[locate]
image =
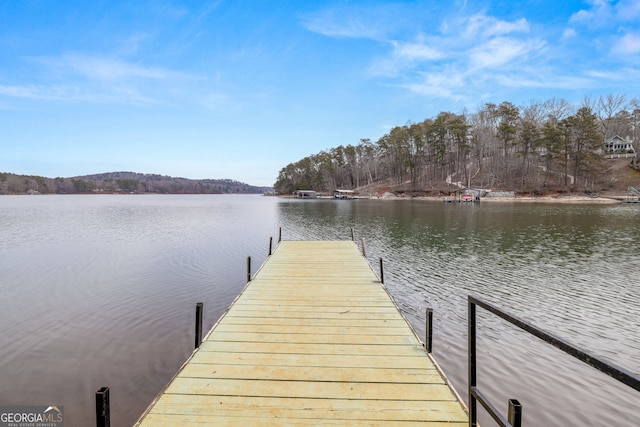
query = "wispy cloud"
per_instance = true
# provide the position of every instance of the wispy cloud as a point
(357, 21)
(417, 51)
(466, 54)
(599, 14)
(628, 44)
(67, 93)
(94, 67)
(98, 79)
(454, 64)
(615, 24)
(489, 26)
(502, 52)
(605, 13)
(406, 56)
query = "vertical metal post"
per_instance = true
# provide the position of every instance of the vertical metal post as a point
(103, 418)
(199, 309)
(515, 413)
(353, 234)
(364, 249)
(428, 339)
(279, 234)
(248, 269)
(381, 272)
(471, 332)
(270, 244)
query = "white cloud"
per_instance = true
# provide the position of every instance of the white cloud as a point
(538, 80)
(628, 44)
(626, 74)
(69, 93)
(600, 14)
(352, 28)
(502, 52)
(464, 57)
(447, 83)
(19, 91)
(353, 22)
(405, 56)
(417, 51)
(607, 13)
(569, 33)
(489, 26)
(99, 79)
(102, 68)
(628, 10)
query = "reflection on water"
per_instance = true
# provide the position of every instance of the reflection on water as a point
(99, 291)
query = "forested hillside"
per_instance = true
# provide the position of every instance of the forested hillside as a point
(538, 147)
(122, 182)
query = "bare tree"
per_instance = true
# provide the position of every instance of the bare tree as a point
(607, 107)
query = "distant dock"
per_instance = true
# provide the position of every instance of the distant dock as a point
(313, 339)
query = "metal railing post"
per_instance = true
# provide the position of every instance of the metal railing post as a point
(198, 337)
(353, 234)
(514, 415)
(364, 249)
(279, 234)
(471, 346)
(270, 244)
(428, 339)
(248, 269)
(381, 272)
(103, 417)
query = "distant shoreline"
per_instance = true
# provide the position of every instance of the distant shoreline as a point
(564, 199)
(524, 199)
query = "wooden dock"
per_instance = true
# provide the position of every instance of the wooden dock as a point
(313, 339)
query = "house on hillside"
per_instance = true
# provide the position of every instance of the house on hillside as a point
(617, 146)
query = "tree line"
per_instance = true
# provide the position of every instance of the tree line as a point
(538, 146)
(122, 182)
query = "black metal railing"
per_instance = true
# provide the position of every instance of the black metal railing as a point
(515, 409)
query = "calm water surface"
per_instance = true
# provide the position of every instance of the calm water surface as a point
(100, 291)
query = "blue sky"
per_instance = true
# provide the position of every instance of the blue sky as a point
(239, 89)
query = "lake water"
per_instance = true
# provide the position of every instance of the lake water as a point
(101, 291)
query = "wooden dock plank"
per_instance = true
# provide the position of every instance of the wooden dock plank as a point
(322, 360)
(310, 409)
(344, 349)
(173, 420)
(311, 373)
(310, 389)
(367, 324)
(312, 329)
(287, 337)
(314, 339)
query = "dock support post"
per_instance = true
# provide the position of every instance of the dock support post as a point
(515, 413)
(248, 269)
(279, 234)
(381, 272)
(198, 339)
(364, 249)
(270, 244)
(428, 339)
(103, 418)
(353, 234)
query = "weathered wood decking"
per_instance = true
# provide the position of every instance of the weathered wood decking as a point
(313, 339)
